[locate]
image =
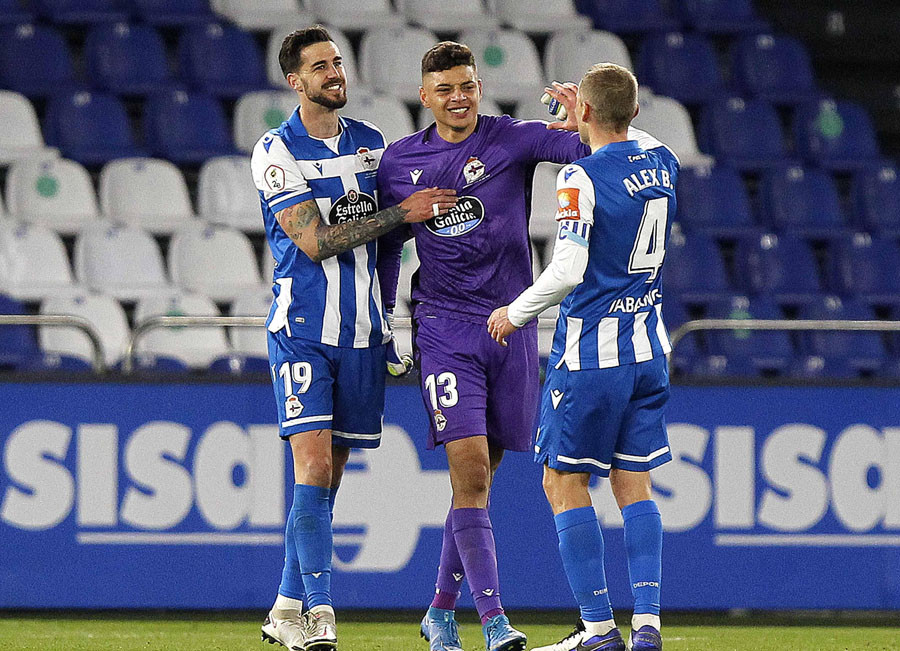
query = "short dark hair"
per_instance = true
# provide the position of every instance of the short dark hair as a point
(446, 55)
(611, 91)
(293, 44)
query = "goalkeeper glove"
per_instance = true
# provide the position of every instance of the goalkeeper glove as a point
(397, 364)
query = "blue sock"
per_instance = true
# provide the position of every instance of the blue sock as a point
(310, 518)
(581, 548)
(291, 579)
(332, 496)
(643, 546)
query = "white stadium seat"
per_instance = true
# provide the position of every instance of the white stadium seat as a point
(485, 107)
(103, 312)
(194, 346)
(33, 262)
(20, 136)
(381, 67)
(251, 341)
(120, 260)
(387, 113)
(147, 192)
(542, 225)
(446, 15)
(273, 68)
(226, 194)
(268, 265)
(569, 54)
(355, 15)
(257, 112)
(538, 16)
(669, 121)
(56, 193)
(213, 260)
(262, 14)
(508, 63)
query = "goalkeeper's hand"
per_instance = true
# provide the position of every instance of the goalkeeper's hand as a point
(397, 364)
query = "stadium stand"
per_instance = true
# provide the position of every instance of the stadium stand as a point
(149, 193)
(775, 68)
(686, 354)
(508, 62)
(171, 13)
(17, 342)
(745, 134)
(720, 366)
(694, 270)
(80, 12)
(21, 134)
(802, 201)
(783, 267)
(213, 260)
(385, 112)
(56, 193)
(220, 59)
(876, 199)
(570, 53)
(720, 16)
(12, 12)
(838, 135)
(447, 15)
(627, 16)
(542, 224)
(866, 268)
(126, 59)
(257, 112)
(682, 66)
(537, 16)
(251, 341)
(380, 68)
(29, 47)
(863, 351)
(104, 314)
(33, 262)
(669, 120)
(225, 197)
(353, 15)
(714, 200)
(262, 14)
(765, 351)
(187, 128)
(91, 128)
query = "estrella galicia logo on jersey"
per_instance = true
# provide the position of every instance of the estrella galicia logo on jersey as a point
(352, 206)
(366, 158)
(462, 218)
(473, 170)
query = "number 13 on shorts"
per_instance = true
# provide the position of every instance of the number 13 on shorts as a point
(443, 393)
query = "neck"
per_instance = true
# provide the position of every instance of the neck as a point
(454, 136)
(319, 121)
(599, 138)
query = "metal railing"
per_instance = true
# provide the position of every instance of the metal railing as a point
(98, 362)
(782, 324)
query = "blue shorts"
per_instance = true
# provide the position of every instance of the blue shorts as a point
(596, 419)
(318, 386)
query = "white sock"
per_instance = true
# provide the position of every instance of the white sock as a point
(286, 608)
(644, 619)
(599, 628)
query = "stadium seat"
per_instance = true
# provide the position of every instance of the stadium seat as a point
(103, 312)
(570, 53)
(80, 12)
(21, 134)
(195, 346)
(803, 201)
(221, 60)
(686, 351)
(126, 59)
(381, 68)
(17, 342)
(774, 68)
(766, 350)
(627, 16)
(251, 340)
(782, 266)
(720, 16)
(146, 192)
(669, 121)
(240, 364)
(55, 192)
(352, 15)
(814, 367)
(837, 135)
(122, 261)
(721, 366)
(262, 14)
(257, 112)
(694, 268)
(876, 199)
(387, 113)
(35, 60)
(542, 222)
(273, 67)
(508, 62)
(745, 134)
(714, 200)
(91, 128)
(12, 12)
(538, 16)
(447, 15)
(213, 260)
(187, 128)
(55, 363)
(682, 66)
(148, 363)
(171, 13)
(864, 351)
(866, 268)
(486, 106)
(33, 262)
(224, 195)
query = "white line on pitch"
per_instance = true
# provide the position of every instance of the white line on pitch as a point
(807, 540)
(164, 538)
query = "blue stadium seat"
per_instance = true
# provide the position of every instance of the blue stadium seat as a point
(81, 12)
(866, 268)
(745, 134)
(782, 266)
(17, 343)
(721, 366)
(713, 200)
(766, 350)
(55, 362)
(150, 363)
(837, 135)
(863, 351)
(126, 59)
(803, 201)
(13, 12)
(221, 60)
(814, 367)
(187, 128)
(35, 60)
(774, 68)
(172, 12)
(239, 365)
(91, 128)
(876, 199)
(694, 269)
(686, 351)
(682, 66)
(720, 16)
(627, 16)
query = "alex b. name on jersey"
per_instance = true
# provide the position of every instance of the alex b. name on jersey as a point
(647, 178)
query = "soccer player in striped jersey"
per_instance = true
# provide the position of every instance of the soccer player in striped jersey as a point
(328, 331)
(602, 409)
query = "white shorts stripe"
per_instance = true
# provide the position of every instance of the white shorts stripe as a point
(661, 333)
(639, 339)
(608, 342)
(637, 459)
(359, 437)
(593, 462)
(305, 419)
(572, 355)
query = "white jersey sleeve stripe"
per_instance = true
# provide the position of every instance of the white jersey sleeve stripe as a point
(661, 333)
(640, 340)
(292, 198)
(608, 342)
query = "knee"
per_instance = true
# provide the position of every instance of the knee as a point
(474, 483)
(550, 483)
(314, 471)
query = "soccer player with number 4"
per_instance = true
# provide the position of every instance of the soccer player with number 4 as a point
(602, 409)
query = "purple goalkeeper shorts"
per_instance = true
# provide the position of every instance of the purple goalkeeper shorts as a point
(472, 386)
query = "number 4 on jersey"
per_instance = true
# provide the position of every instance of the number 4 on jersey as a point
(650, 244)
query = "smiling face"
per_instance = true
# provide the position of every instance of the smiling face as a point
(320, 77)
(453, 96)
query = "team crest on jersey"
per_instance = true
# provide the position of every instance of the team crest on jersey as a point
(274, 177)
(440, 421)
(462, 218)
(366, 158)
(473, 170)
(293, 407)
(567, 198)
(352, 206)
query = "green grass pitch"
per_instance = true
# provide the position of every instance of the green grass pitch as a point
(398, 632)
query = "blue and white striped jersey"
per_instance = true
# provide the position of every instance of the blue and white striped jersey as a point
(620, 202)
(336, 301)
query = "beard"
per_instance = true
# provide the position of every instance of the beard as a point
(328, 101)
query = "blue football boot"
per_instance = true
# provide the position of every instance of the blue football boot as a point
(646, 638)
(440, 630)
(500, 636)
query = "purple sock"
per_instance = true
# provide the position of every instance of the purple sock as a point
(475, 542)
(450, 571)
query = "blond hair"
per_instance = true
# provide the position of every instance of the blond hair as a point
(611, 92)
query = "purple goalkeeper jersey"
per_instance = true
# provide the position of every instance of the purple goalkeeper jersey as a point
(477, 257)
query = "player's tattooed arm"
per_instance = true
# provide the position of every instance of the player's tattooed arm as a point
(303, 224)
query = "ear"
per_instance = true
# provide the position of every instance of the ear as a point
(423, 97)
(637, 109)
(585, 112)
(293, 80)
